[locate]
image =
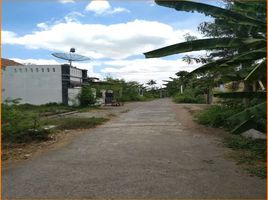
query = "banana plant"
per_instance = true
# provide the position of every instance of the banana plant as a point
(250, 50)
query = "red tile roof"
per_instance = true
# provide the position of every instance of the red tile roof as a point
(6, 62)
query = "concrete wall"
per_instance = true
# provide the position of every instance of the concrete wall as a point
(73, 99)
(34, 84)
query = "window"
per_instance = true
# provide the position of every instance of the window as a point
(20, 70)
(26, 69)
(43, 70)
(36, 69)
(31, 69)
(47, 69)
(4, 68)
(54, 70)
(15, 70)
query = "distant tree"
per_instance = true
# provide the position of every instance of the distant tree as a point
(189, 37)
(151, 83)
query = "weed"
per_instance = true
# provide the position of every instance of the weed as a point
(259, 171)
(249, 153)
(216, 115)
(188, 97)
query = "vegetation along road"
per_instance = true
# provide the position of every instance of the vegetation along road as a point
(149, 151)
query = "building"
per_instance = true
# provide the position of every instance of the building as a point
(41, 84)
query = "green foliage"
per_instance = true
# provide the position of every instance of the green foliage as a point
(240, 95)
(259, 171)
(251, 153)
(240, 142)
(46, 109)
(20, 126)
(234, 16)
(86, 97)
(151, 82)
(23, 123)
(216, 115)
(238, 46)
(188, 97)
(251, 117)
(132, 98)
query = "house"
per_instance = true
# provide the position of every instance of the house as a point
(41, 84)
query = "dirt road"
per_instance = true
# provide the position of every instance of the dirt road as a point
(147, 152)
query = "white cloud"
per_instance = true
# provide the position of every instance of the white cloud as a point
(66, 1)
(73, 17)
(115, 41)
(103, 7)
(42, 25)
(151, 2)
(142, 70)
(8, 37)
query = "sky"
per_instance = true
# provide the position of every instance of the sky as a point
(113, 34)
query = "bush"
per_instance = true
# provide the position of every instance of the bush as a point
(86, 97)
(20, 126)
(29, 135)
(216, 115)
(132, 98)
(188, 97)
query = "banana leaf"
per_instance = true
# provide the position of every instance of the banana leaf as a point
(258, 72)
(244, 126)
(217, 12)
(231, 61)
(205, 44)
(242, 118)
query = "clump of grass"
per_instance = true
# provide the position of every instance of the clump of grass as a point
(46, 109)
(76, 123)
(21, 126)
(257, 147)
(259, 171)
(249, 152)
(216, 115)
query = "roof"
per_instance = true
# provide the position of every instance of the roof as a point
(6, 62)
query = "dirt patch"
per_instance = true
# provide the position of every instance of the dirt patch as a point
(14, 153)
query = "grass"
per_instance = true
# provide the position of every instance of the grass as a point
(88, 109)
(216, 115)
(24, 123)
(249, 153)
(45, 110)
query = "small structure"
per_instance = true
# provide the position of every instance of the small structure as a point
(41, 84)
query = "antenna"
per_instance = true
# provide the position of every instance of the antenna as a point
(72, 56)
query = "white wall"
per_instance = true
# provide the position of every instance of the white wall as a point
(75, 74)
(73, 99)
(32, 86)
